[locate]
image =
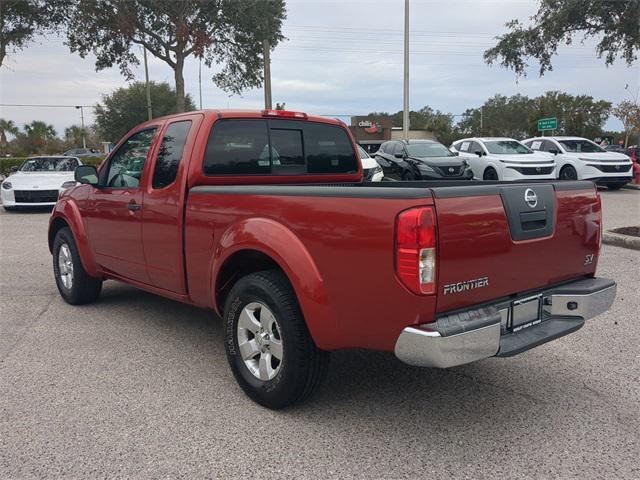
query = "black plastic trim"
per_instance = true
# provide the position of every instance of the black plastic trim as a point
(528, 338)
(467, 320)
(352, 191)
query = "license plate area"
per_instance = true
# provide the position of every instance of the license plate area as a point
(525, 312)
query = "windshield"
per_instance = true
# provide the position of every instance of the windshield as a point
(363, 152)
(506, 147)
(428, 150)
(580, 146)
(49, 164)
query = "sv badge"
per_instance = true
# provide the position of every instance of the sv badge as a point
(588, 259)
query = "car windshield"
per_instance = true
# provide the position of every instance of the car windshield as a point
(49, 164)
(363, 152)
(581, 146)
(428, 150)
(506, 147)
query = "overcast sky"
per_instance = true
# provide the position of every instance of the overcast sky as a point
(341, 58)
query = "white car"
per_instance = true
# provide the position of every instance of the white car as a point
(38, 182)
(581, 159)
(504, 159)
(371, 171)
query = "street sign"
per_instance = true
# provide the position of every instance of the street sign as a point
(547, 124)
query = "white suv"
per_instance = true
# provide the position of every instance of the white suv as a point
(582, 159)
(504, 159)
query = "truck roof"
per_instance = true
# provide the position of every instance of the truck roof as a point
(237, 113)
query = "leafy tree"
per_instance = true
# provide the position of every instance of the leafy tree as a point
(21, 20)
(628, 113)
(613, 22)
(127, 107)
(517, 116)
(225, 32)
(441, 124)
(577, 114)
(7, 127)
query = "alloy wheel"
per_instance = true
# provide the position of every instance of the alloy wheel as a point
(260, 341)
(65, 266)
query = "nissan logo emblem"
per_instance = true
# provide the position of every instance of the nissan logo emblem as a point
(531, 198)
(451, 170)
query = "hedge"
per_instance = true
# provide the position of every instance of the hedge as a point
(7, 163)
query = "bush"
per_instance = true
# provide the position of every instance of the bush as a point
(7, 163)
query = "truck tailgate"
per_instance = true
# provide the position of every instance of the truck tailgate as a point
(499, 240)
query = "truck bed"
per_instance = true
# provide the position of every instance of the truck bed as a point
(350, 245)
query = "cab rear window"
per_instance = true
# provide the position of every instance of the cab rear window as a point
(278, 147)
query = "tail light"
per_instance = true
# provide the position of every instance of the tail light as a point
(416, 250)
(599, 219)
(284, 113)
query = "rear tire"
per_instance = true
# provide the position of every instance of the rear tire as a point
(75, 285)
(263, 321)
(568, 173)
(490, 175)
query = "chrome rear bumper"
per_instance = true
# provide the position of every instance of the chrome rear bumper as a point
(465, 337)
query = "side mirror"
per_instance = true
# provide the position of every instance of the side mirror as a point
(457, 154)
(398, 155)
(554, 151)
(13, 169)
(479, 153)
(86, 174)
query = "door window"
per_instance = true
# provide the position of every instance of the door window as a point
(170, 154)
(125, 167)
(399, 148)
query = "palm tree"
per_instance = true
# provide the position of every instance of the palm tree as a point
(38, 134)
(6, 127)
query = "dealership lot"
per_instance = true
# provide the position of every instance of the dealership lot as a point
(136, 385)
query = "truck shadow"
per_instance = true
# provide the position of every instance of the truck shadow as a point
(373, 390)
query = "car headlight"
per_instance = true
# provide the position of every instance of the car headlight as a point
(69, 184)
(7, 185)
(426, 168)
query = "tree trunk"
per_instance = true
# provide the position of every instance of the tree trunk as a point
(179, 84)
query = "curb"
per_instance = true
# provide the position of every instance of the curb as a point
(632, 186)
(624, 241)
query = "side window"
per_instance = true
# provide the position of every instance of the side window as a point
(170, 153)
(328, 149)
(125, 167)
(398, 148)
(238, 147)
(475, 147)
(547, 146)
(464, 146)
(534, 144)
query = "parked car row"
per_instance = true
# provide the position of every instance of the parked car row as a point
(502, 159)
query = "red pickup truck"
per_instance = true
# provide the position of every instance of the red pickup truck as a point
(263, 217)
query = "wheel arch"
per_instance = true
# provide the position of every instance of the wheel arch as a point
(259, 244)
(66, 214)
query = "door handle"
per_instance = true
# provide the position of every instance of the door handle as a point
(133, 206)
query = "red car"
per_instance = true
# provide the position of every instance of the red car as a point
(262, 216)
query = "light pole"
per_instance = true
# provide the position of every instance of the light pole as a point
(405, 107)
(266, 56)
(84, 142)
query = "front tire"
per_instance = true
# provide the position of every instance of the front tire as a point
(268, 346)
(490, 175)
(568, 173)
(75, 285)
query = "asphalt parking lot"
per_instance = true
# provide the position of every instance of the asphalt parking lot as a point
(138, 386)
